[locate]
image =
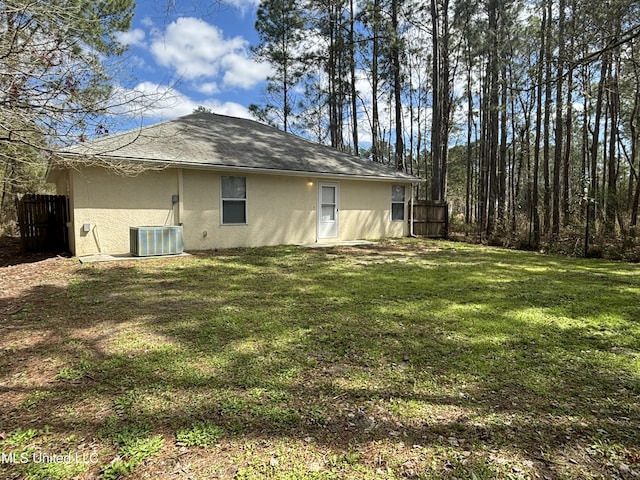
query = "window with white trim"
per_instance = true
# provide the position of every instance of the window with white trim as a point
(397, 202)
(233, 200)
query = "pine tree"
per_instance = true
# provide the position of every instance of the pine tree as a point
(280, 27)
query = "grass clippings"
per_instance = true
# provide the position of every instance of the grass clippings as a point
(407, 359)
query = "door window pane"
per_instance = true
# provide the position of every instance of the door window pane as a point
(328, 213)
(328, 195)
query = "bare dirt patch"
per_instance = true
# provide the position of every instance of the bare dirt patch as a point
(22, 272)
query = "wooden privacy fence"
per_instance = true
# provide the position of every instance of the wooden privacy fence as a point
(431, 219)
(43, 222)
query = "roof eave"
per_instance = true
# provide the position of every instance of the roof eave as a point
(266, 171)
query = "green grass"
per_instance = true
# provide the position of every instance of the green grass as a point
(411, 359)
(201, 434)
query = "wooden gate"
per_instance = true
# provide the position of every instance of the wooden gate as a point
(43, 222)
(431, 219)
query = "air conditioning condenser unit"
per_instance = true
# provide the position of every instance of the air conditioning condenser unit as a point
(149, 241)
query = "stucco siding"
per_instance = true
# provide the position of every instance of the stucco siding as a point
(200, 209)
(62, 183)
(365, 211)
(111, 203)
(280, 210)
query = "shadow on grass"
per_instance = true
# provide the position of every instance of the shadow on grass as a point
(12, 253)
(455, 349)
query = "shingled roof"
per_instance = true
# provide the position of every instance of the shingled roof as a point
(211, 141)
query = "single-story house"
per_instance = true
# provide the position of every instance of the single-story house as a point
(227, 182)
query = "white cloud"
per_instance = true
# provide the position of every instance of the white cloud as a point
(243, 72)
(147, 22)
(208, 88)
(151, 100)
(198, 51)
(132, 37)
(163, 101)
(230, 109)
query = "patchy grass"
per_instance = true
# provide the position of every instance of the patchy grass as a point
(409, 359)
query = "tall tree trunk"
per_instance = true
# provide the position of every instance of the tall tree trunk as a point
(445, 100)
(566, 168)
(493, 132)
(559, 138)
(585, 148)
(352, 68)
(469, 157)
(612, 176)
(535, 212)
(286, 108)
(441, 97)
(397, 85)
(517, 165)
(568, 145)
(546, 155)
(436, 128)
(593, 172)
(375, 121)
(336, 71)
(502, 157)
(332, 74)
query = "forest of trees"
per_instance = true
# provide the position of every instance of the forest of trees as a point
(523, 114)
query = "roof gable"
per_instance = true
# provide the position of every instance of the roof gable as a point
(205, 140)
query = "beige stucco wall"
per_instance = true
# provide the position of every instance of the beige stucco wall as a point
(111, 203)
(365, 211)
(61, 181)
(280, 209)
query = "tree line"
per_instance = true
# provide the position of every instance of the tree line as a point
(523, 114)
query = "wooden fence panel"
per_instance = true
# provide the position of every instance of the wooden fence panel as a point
(431, 219)
(43, 222)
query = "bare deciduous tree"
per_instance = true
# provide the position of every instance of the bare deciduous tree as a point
(57, 63)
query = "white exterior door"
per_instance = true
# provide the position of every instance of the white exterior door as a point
(328, 201)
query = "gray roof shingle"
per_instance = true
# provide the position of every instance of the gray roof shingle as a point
(205, 140)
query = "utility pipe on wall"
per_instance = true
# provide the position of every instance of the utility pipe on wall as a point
(180, 197)
(411, 234)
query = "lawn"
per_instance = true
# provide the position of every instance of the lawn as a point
(408, 359)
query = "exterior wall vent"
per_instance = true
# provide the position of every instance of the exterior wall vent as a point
(149, 241)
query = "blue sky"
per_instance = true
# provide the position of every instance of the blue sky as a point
(193, 53)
